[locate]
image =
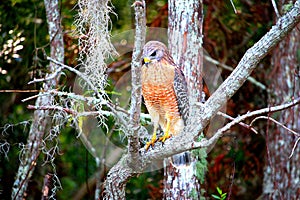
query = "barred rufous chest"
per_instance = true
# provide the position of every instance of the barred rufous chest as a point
(158, 87)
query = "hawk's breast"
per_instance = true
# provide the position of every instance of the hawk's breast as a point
(158, 88)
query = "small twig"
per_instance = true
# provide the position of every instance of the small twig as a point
(219, 133)
(240, 123)
(79, 97)
(276, 122)
(284, 127)
(295, 145)
(275, 8)
(95, 113)
(19, 91)
(30, 98)
(232, 4)
(81, 75)
(71, 111)
(49, 77)
(59, 108)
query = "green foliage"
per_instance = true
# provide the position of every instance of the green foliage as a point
(201, 164)
(287, 7)
(194, 194)
(220, 195)
(145, 186)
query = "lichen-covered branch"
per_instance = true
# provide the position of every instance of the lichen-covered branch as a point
(117, 178)
(129, 164)
(136, 91)
(41, 121)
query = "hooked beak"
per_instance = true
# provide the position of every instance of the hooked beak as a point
(147, 60)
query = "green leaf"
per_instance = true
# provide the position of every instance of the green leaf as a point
(215, 196)
(223, 196)
(219, 190)
(13, 2)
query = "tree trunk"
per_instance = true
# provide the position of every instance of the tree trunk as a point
(180, 181)
(185, 44)
(41, 121)
(282, 173)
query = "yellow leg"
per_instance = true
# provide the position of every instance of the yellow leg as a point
(167, 131)
(153, 139)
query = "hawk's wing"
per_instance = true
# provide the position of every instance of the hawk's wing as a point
(180, 88)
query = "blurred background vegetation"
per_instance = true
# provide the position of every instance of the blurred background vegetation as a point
(238, 158)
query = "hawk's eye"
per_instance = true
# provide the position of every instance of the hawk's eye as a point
(153, 54)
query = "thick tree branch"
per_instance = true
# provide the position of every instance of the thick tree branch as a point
(136, 91)
(128, 165)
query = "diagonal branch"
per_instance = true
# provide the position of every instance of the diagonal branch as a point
(81, 75)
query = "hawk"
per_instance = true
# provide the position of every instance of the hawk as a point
(164, 90)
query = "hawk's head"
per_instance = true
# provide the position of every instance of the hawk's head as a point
(154, 51)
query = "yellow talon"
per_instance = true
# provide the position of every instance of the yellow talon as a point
(151, 142)
(161, 139)
(164, 137)
(167, 134)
